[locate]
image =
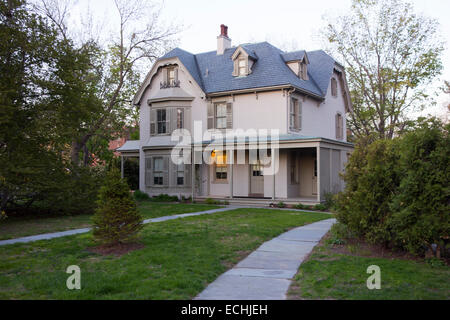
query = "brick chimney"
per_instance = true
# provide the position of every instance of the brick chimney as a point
(223, 42)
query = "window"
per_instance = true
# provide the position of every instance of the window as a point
(303, 71)
(292, 115)
(221, 167)
(293, 169)
(257, 170)
(333, 87)
(180, 118)
(180, 174)
(158, 171)
(221, 116)
(171, 76)
(339, 126)
(242, 67)
(295, 115)
(161, 121)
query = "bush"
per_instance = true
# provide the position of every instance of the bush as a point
(165, 198)
(397, 191)
(330, 202)
(281, 204)
(116, 219)
(141, 196)
(320, 207)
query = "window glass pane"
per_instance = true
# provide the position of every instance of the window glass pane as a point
(171, 75)
(221, 123)
(180, 124)
(158, 164)
(241, 62)
(221, 110)
(221, 171)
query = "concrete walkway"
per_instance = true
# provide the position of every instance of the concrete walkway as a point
(267, 272)
(47, 236)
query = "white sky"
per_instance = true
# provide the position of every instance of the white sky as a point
(288, 23)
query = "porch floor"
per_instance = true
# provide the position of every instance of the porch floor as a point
(261, 202)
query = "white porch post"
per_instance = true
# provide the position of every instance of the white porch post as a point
(192, 175)
(121, 166)
(318, 172)
(272, 153)
(231, 175)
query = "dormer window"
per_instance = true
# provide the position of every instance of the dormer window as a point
(298, 62)
(303, 74)
(242, 67)
(170, 75)
(243, 61)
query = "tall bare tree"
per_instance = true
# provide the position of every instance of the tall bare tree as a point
(391, 55)
(140, 35)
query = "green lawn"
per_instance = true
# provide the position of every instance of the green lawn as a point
(332, 275)
(26, 226)
(179, 259)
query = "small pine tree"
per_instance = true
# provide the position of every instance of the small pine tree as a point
(116, 218)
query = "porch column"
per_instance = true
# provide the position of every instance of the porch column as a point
(272, 153)
(231, 176)
(121, 166)
(192, 174)
(318, 172)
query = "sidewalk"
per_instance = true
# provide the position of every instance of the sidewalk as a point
(47, 236)
(267, 272)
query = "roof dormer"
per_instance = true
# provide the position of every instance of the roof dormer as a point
(243, 60)
(298, 62)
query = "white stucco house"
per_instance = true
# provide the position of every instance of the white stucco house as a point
(248, 89)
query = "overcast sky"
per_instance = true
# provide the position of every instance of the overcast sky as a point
(286, 23)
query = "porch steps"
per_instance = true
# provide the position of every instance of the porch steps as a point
(258, 202)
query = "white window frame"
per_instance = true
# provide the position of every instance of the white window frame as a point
(180, 118)
(158, 173)
(221, 117)
(158, 121)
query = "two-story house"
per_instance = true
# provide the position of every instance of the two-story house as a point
(251, 88)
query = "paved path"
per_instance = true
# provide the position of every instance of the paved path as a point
(267, 272)
(47, 236)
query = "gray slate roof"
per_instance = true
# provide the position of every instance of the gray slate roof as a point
(270, 69)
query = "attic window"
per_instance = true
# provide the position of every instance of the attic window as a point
(333, 87)
(170, 78)
(303, 72)
(242, 67)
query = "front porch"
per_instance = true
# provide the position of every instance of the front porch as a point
(305, 172)
(260, 202)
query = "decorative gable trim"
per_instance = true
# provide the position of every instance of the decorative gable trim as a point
(161, 63)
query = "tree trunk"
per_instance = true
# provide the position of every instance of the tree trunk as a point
(75, 152)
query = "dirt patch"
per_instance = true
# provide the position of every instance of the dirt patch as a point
(360, 248)
(117, 249)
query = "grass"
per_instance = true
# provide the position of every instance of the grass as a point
(178, 261)
(26, 226)
(342, 275)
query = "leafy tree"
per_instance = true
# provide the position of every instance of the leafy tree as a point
(420, 207)
(117, 219)
(391, 55)
(397, 190)
(26, 67)
(46, 84)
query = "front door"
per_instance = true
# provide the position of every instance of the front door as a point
(256, 180)
(314, 178)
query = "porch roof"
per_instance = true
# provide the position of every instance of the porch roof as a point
(281, 138)
(129, 146)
